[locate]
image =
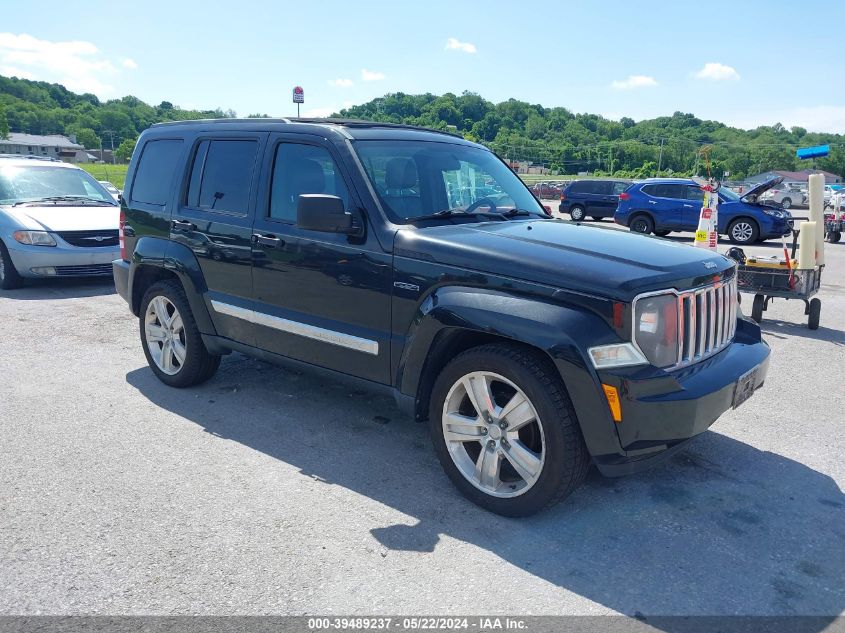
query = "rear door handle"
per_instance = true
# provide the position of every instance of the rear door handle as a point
(267, 240)
(688, 205)
(184, 224)
(652, 202)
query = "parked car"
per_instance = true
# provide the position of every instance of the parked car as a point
(114, 191)
(546, 190)
(55, 220)
(663, 205)
(784, 197)
(532, 346)
(596, 198)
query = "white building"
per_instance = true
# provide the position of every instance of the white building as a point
(53, 146)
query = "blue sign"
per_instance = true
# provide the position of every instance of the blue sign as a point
(813, 152)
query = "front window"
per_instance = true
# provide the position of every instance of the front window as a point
(36, 183)
(421, 178)
(728, 195)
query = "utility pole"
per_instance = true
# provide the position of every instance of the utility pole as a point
(111, 137)
(660, 159)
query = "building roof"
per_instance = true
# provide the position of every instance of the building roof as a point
(792, 176)
(51, 140)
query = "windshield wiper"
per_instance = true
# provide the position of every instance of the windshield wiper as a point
(510, 213)
(452, 213)
(63, 199)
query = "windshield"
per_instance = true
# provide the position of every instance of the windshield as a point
(420, 178)
(32, 183)
(728, 195)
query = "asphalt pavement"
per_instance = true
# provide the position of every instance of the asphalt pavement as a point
(273, 491)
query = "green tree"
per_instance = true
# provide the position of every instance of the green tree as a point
(4, 124)
(123, 152)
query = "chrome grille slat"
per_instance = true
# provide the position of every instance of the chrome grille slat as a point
(706, 321)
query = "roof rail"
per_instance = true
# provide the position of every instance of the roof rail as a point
(31, 157)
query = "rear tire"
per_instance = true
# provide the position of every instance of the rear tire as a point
(9, 277)
(834, 236)
(597, 218)
(786, 203)
(170, 337)
(815, 314)
(757, 308)
(576, 213)
(516, 462)
(641, 223)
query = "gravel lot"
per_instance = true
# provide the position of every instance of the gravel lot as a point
(270, 491)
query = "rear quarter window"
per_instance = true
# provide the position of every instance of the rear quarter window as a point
(157, 166)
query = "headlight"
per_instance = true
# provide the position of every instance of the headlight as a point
(34, 238)
(656, 329)
(619, 355)
(773, 212)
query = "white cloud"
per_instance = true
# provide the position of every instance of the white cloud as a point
(76, 64)
(453, 44)
(341, 83)
(11, 71)
(371, 75)
(715, 71)
(633, 82)
(129, 63)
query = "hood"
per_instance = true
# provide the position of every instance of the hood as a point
(58, 218)
(754, 193)
(584, 258)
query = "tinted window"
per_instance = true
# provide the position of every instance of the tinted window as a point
(694, 193)
(159, 161)
(300, 169)
(579, 186)
(221, 175)
(619, 187)
(666, 191)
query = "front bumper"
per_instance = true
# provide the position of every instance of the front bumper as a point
(661, 412)
(61, 261)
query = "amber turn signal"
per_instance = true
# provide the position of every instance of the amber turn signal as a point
(612, 396)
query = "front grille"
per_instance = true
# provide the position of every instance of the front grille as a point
(706, 321)
(90, 239)
(92, 270)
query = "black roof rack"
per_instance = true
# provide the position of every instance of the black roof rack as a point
(353, 123)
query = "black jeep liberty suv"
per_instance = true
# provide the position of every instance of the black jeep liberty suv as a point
(417, 262)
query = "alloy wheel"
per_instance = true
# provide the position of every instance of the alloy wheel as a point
(742, 231)
(165, 335)
(493, 434)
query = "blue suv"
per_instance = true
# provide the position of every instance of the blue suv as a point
(663, 205)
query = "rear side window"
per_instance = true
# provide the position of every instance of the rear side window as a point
(666, 191)
(221, 175)
(300, 169)
(154, 175)
(619, 187)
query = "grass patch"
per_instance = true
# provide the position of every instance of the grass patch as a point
(115, 174)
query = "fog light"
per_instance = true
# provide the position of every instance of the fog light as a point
(44, 270)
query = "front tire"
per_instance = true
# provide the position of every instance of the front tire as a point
(9, 277)
(815, 314)
(576, 213)
(743, 231)
(505, 431)
(786, 203)
(170, 337)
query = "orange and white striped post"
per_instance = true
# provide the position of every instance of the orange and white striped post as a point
(707, 235)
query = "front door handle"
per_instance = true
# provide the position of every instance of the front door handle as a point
(267, 240)
(184, 224)
(689, 206)
(652, 202)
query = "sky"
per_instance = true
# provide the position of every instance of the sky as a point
(745, 62)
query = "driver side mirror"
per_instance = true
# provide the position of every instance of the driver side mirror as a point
(325, 213)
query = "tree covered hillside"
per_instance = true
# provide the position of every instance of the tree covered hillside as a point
(37, 107)
(569, 143)
(566, 142)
